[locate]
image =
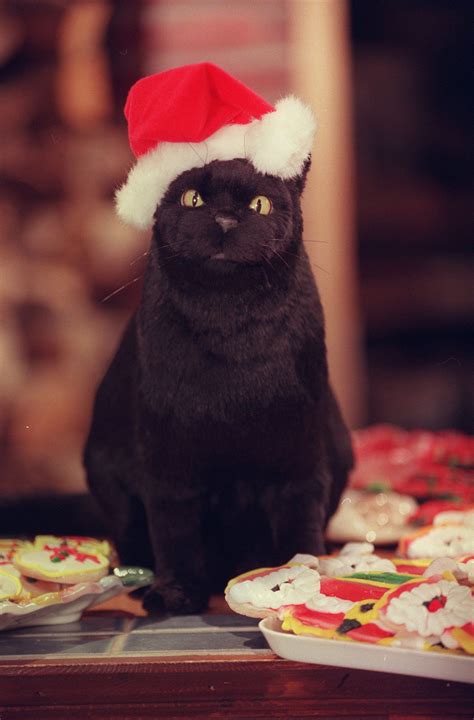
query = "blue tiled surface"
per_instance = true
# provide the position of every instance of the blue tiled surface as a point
(92, 624)
(109, 636)
(150, 624)
(44, 645)
(189, 641)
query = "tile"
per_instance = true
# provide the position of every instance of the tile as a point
(167, 642)
(210, 622)
(86, 625)
(66, 645)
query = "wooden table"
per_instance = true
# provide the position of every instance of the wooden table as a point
(121, 665)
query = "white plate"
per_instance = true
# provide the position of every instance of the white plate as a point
(363, 656)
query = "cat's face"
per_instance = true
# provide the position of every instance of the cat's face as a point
(226, 215)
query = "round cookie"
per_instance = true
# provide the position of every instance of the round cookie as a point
(10, 586)
(435, 609)
(62, 564)
(264, 592)
(438, 541)
(85, 544)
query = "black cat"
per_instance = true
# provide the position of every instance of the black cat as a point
(216, 443)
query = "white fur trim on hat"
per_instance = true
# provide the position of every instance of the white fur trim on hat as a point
(278, 144)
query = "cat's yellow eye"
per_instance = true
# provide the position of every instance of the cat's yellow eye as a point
(191, 199)
(261, 205)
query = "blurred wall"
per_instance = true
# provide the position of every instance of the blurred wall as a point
(70, 271)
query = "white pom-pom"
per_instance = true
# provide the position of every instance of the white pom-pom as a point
(280, 143)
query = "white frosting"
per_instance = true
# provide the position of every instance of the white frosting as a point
(9, 585)
(40, 559)
(443, 541)
(329, 604)
(357, 548)
(350, 564)
(408, 609)
(454, 517)
(463, 570)
(304, 559)
(286, 586)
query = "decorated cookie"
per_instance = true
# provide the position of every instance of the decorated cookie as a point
(8, 548)
(455, 517)
(85, 544)
(381, 517)
(462, 569)
(343, 606)
(438, 541)
(62, 563)
(355, 557)
(438, 610)
(415, 567)
(10, 585)
(264, 592)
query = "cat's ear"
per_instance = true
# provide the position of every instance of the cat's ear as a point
(299, 181)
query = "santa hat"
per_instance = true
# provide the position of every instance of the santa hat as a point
(187, 117)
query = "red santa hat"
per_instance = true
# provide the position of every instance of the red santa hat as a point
(189, 116)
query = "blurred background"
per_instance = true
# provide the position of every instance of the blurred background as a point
(388, 208)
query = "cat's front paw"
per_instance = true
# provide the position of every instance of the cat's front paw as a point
(175, 599)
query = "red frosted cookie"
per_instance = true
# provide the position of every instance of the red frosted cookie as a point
(346, 607)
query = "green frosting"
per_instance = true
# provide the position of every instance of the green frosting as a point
(384, 577)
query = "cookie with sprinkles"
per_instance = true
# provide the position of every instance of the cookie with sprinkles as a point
(63, 563)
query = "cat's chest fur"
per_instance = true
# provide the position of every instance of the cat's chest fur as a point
(197, 370)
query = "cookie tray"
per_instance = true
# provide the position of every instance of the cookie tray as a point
(362, 656)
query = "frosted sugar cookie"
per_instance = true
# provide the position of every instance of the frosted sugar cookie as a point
(63, 563)
(344, 607)
(462, 569)
(8, 548)
(439, 611)
(86, 544)
(265, 591)
(454, 540)
(354, 557)
(10, 586)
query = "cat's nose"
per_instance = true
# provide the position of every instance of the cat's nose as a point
(226, 222)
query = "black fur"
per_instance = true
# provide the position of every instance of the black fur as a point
(216, 443)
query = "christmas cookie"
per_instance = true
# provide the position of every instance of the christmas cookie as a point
(62, 563)
(264, 592)
(85, 544)
(433, 609)
(8, 548)
(461, 569)
(343, 606)
(438, 541)
(355, 557)
(10, 586)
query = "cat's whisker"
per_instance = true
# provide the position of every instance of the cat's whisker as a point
(323, 242)
(319, 267)
(115, 292)
(139, 257)
(281, 258)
